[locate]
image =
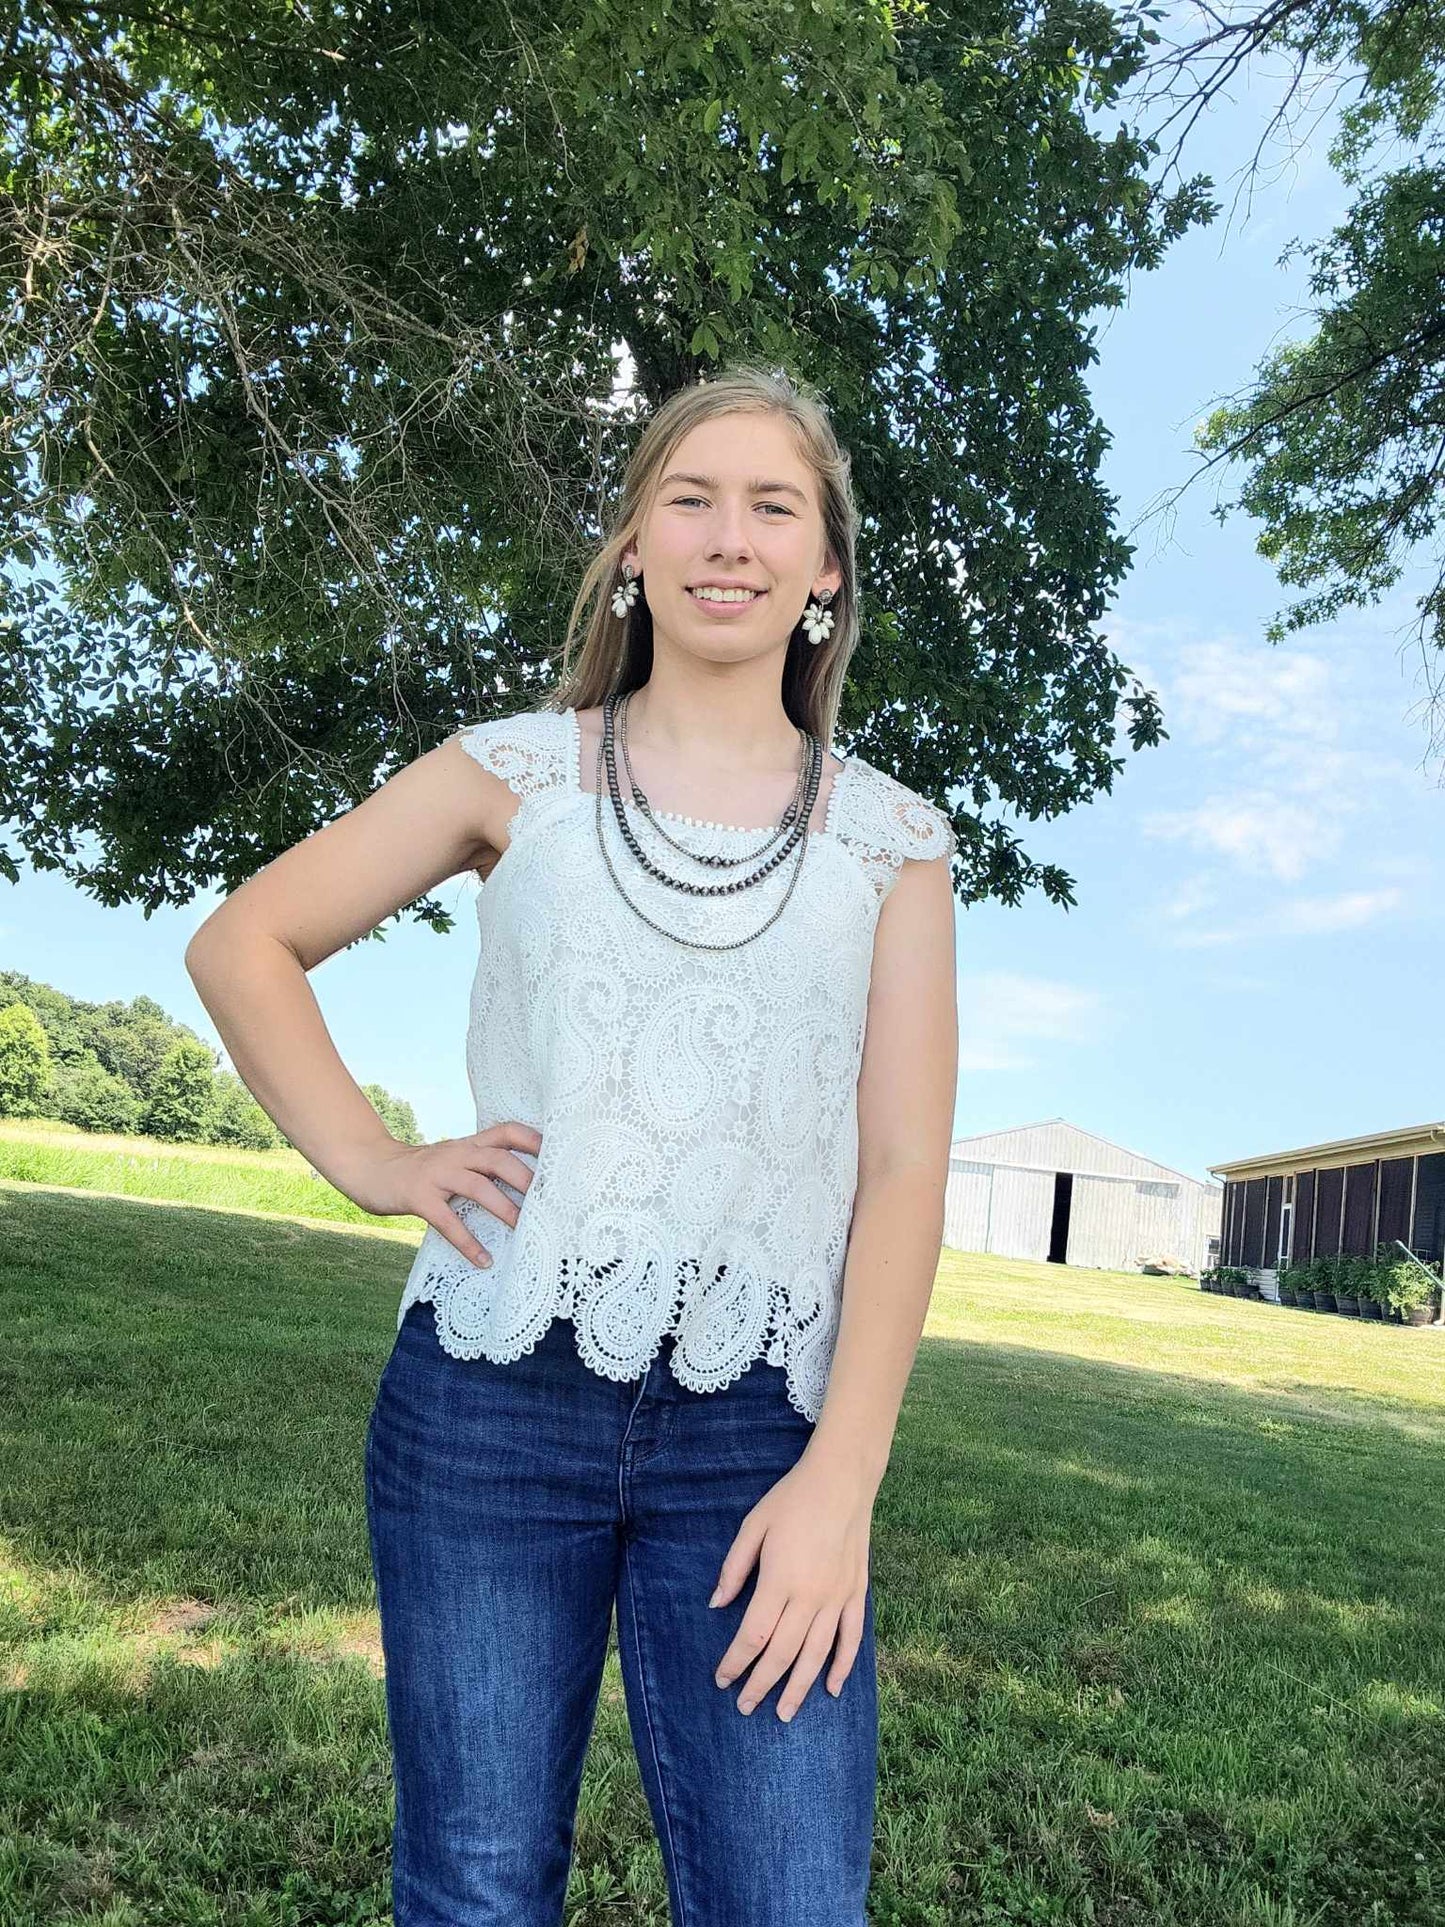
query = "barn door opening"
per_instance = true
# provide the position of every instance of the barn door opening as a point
(1059, 1225)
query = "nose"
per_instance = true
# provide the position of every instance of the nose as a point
(731, 531)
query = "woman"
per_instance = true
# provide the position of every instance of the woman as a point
(654, 1343)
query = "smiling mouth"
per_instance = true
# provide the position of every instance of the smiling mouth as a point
(732, 600)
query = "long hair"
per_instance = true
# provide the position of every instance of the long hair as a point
(615, 655)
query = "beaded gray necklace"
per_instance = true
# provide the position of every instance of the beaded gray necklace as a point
(792, 827)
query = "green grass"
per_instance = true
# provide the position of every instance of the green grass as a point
(280, 1182)
(1158, 1587)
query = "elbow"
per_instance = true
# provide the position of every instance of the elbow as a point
(213, 935)
(920, 1177)
(199, 958)
(224, 936)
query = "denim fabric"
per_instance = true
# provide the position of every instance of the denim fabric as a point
(509, 1507)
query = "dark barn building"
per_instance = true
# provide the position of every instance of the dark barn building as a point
(1332, 1199)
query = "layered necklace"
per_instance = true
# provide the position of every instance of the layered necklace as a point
(792, 828)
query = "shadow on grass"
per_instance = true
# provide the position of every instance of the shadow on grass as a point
(187, 1395)
(1152, 1648)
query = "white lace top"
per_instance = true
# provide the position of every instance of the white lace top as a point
(698, 1109)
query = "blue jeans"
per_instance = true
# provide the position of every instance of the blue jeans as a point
(509, 1506)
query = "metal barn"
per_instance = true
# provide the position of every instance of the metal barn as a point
(1347, 1196)
(1056, 1193)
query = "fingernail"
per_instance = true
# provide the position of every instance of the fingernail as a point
(746, 1706)
(716, 1598)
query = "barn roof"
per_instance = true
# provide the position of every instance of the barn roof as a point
(1054, 1144)
(1410, 1140)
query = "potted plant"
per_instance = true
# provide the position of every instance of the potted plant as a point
(1346, 1283)
(1286, 1285)
(1365, 1273)
(1368, 1287)
(1410, 1290)
(1322, 1281)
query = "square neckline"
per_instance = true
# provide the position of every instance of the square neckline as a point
(574, 779)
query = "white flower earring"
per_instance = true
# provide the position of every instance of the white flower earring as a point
(625, 593)
(818, 618)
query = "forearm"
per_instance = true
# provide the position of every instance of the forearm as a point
(893, 1248)
(261, 1002)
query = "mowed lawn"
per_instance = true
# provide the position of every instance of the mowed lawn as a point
(1159, 1589)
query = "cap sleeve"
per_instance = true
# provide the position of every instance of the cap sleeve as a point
(528, 751)
(885, 824)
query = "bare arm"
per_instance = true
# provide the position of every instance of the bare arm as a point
(906, 1090)
(809, 1534)
(440, 815)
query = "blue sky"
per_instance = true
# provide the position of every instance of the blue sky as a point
(1255, 955)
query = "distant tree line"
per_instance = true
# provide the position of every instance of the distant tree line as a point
(132, 1069)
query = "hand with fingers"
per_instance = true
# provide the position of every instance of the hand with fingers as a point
(418, 1179)
(809, 1535)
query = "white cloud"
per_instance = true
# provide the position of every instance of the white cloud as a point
(1294, 776)
(1285, 694)
(1206, 939)
(999, 1010)
(1193, 896)
(1297, 917)
(1311, 916)
(1263, 831)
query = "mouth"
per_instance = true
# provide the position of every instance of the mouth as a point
(727, 602)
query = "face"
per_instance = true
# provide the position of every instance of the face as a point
(737, 505)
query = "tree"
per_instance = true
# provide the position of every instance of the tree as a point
(127, 1041)
(236, 1118)
(84, 1093)
(60, 1017)
(180, 1105)
(395, 1113)
(130, 1067)
(24, 1062)
(1341, 435)
(312, 357)
(132, 1040)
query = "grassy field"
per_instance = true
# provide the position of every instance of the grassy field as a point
(279, 1183)
(1158, 1586)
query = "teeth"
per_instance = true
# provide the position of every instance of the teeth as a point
(725, 595)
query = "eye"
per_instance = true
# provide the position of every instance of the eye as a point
(681, 501)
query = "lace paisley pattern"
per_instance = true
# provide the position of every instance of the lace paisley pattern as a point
(698, 1109)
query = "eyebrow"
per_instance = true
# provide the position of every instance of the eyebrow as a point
(758, 488)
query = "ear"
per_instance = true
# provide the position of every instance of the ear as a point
(831, 579)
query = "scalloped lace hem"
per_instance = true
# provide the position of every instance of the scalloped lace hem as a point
(780, 1334)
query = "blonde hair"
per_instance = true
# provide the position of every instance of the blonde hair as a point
(616, 652)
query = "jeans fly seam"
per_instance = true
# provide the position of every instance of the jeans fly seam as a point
(624, 1454)
(652, 1735)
